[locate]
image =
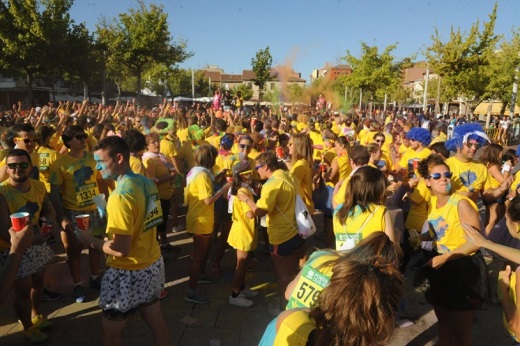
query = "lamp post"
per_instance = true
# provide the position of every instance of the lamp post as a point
(513, 95)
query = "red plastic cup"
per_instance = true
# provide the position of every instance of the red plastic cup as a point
(279, 152)
(45, 229)
(83, 221)
(253, 121)
(415, 164)
(19, 220)
(229, 179)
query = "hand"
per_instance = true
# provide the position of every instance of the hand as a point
(438, 261)
(504, 280)
(67, 225)
(226, 187)
(472, 234)
(20, 241)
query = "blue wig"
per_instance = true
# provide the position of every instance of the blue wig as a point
(420, 135)
(475, 131)
(518, 151)
(227, 141)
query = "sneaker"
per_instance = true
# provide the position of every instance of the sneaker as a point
(196, 297)
(249, 293)
(240, 301)
(216, 272)
(163, 294)
(49, 296)
(206, 279)
(41, 322)
(79, 294)
(35, 336)
(95, 283)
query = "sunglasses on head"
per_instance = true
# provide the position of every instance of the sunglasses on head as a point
(259, 166)
(25, 140)
(244, 146)
(81, 137)
(22, 165)
(472, 145)
(437, 176)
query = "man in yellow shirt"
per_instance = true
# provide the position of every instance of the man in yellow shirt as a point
(419, 140)
(135, 274)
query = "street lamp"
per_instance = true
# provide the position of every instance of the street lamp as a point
(513, 95)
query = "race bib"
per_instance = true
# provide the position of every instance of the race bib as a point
(154, 213)
(85, 194)
(44, 161)
(308, 288)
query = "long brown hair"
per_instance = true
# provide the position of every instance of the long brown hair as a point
(358, 306)
(302, 148)
(366, 186)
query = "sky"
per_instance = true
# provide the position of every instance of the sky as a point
(305, 34)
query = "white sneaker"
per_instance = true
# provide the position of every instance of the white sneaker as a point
(240, 301)
(249, 293)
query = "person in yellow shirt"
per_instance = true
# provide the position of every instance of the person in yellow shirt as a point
(199, 196)
(470, 178)
(278, 202)
(47, 155)
(457, 274)
(135, 268)
(21, 136)
(75, 182)
(22, 194)
(137, 143)
(300, 148)
(363, 211)
(358, 156)
(243, 234)
(419, 140)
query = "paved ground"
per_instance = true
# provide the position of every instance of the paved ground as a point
(216, 323)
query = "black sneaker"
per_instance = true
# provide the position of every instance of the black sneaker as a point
(49, 296)
(95, 283)
(79, 294)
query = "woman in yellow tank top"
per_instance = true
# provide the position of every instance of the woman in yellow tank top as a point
(363, 211)
(457, 274)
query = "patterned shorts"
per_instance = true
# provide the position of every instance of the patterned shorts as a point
(34, 260)
(97, 226)
(124, 291)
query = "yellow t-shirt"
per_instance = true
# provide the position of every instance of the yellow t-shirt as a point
(492, 182)
(155, 168)
(242, 235)
(512, 295)
(313, 279)
(418, 213)
(368, 138)
(339, 197)
(30, 202)
(516, 183)
(344, 167)
(467, 176)
(356, 226)
(134, 209)
(278, 198)
(316, 140)
(409, 156)
(137, 166)
(47, 157)
(77, 181)
(183, 135)
(168, 147)
(185, 154)
(303, 176)
(225, 162)
(445, 227)
(295, 329)
(200, 217)
(329, 155)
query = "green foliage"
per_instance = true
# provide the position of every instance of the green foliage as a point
(138, 40)
(463, 62)
(372, 72)
(246, 92)
(261, 65)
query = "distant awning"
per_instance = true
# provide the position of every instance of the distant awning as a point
(482, 108)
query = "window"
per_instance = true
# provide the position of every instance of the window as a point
(273, 86)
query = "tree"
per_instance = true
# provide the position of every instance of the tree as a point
(246, 91)
(261, 65)
(463, 61)
(372, 72)
(32, 38)
(139, 40)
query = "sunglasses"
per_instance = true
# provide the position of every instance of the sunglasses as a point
(259, 166)
(25, 140)
(472, 145)
(244, 146)
(437, 176)
(22, 165)
(80, 137)
(379, 141)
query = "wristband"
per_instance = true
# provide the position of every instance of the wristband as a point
(506, 168)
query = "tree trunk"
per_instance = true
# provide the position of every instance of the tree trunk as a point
(139, 84)
(488, 117)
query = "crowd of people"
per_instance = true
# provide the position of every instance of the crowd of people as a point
(238, 171)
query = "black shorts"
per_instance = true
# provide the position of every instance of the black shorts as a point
(287, 248)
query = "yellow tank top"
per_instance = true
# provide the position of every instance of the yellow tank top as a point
(358, 225)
